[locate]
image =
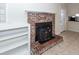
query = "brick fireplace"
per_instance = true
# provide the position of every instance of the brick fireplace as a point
(42, 18)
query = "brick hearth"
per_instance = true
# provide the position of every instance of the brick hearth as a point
(40, 48)
(39, 17)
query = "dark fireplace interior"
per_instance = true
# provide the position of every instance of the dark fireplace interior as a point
(43, 32)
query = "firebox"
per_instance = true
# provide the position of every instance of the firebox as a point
(43, 32)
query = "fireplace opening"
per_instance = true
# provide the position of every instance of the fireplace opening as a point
(43, 32)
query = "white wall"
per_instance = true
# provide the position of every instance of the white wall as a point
(72, 9)
(16, 11)
(58, 26)
(16, 16)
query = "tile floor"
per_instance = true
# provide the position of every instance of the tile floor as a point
(69, 45)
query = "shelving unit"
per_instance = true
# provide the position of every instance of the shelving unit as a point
(15, 41)
(22, 50)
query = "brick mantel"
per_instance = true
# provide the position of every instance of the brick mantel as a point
(38, 17)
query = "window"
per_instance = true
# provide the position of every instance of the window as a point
(2, 12)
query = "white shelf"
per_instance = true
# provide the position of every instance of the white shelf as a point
(12, 36)
(22, 50)
(13, 31)
(14, 40)
(5, 26)
(11, 44)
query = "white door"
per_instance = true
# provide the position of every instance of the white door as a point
(62, 21)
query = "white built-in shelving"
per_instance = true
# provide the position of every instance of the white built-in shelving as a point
(15, 41)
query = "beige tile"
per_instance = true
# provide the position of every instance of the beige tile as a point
(70, 45)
